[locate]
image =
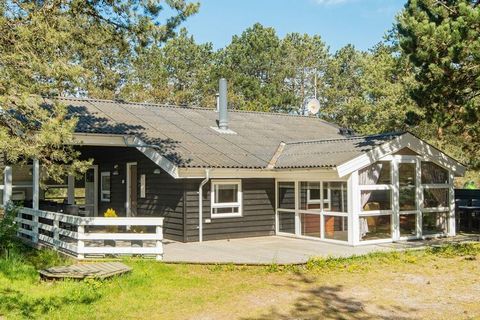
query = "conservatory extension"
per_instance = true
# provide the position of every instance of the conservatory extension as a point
(402, 196)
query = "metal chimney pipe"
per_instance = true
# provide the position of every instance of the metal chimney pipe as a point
(222, 105)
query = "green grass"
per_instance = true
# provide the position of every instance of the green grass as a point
(163, 291)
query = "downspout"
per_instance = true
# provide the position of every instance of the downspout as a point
(200, 205)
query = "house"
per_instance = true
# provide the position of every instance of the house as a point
(230, 174)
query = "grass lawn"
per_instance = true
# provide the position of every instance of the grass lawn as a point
(441, 283)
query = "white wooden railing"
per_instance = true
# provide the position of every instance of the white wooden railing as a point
(84, 236)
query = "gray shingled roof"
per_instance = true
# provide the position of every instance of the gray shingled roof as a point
(185, 136)
(328, 152)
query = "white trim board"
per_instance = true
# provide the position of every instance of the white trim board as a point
(115, 140)
(406, 140)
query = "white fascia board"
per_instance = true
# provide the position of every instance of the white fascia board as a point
(227, 173)
(156, 157)
(93, 139)
(407, 140)
(115, 140)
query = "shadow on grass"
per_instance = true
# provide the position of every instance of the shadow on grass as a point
(17, 302)
(330, 302)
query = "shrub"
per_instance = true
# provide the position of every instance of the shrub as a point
(8, 229)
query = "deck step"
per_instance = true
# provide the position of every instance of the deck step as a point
(99, 270)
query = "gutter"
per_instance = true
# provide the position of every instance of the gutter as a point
(200, 205)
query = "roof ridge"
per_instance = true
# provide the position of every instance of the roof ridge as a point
(387, 134)
(166, 105)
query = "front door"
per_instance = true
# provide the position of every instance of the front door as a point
(408, 214)
(90, 182)
(132, 192)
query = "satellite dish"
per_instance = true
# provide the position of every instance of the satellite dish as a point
(313, 106)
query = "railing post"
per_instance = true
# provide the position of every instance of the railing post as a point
(80, 242)
(56, 233)
(159, 244)
(7, 188)
(35, 228)
(36, 184)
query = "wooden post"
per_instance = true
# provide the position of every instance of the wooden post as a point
(71, 189)
(35, 226)
(395, 219)
(36, 184)
(56, 234)
(159, 244)
(7, 188)
(354, 207)
(80, 242)
(451, 228)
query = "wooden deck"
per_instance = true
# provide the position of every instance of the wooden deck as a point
(101, 270)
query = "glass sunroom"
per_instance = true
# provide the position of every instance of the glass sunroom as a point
(400, 196)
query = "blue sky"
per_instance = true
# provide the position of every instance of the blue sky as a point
(339, 22)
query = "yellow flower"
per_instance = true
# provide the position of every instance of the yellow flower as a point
(110, 213)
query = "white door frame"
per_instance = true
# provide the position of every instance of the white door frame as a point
(127, 203)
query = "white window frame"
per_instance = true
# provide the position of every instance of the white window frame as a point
(309, 199)
(321, 213)
(102, 191)
(237, 204)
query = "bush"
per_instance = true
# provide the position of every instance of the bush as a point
(8, 229)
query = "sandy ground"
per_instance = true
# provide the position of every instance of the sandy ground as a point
(440, 288)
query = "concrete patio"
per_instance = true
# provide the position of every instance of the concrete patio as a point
(280, 250)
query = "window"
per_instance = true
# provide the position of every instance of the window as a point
(226, 198)
(310, 196)
(143, 183)
(335, 197)
(310, 225)
(378, 173)
(105, 186)
(375, 227)
(434, 222)
(435, 197)
(433, 174)
(408, 225)
(406, 176)
(286, 222)
(336, 227)
(286, 195)
(376, 200)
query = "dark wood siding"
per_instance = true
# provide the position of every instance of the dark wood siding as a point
(258, 217)
(163, 194)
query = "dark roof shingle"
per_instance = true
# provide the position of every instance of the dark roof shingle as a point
(185, 135)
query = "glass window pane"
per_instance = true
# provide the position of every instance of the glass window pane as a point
(433, 174)
(434, 222)
(375, 227)
(225, 210)
(286, 222)
(377, 173)
(407, 180)
(336, 228)
(337, 199)
(286, 195)
(310, 225)
(310, 196)
(226, 193)
(435, 198)
(408, 223)
(407, 198)
(56, 194)
(376, 200)
(106, 182)
(406, 152)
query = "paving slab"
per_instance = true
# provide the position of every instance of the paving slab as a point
(276, 249)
